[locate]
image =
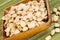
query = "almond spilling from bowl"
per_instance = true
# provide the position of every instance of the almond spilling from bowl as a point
(26, 16)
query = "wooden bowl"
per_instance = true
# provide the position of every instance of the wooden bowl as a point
(30, 32)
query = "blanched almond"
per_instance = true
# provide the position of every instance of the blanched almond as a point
(48, 37)
(31, 25)
(25, 29)
(57, 30)
(16, 31)
(22, 23)
(55, 10)
(55, 18)
(53, 32)
(57, 24)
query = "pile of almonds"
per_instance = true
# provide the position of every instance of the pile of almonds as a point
(23, 17)
(55, 20)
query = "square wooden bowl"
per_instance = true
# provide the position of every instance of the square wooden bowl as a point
(30, 32)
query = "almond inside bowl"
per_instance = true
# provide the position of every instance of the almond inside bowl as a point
(31, 31)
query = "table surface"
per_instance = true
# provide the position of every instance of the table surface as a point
(40, 36)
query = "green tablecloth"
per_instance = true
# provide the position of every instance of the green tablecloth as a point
(40, 36)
